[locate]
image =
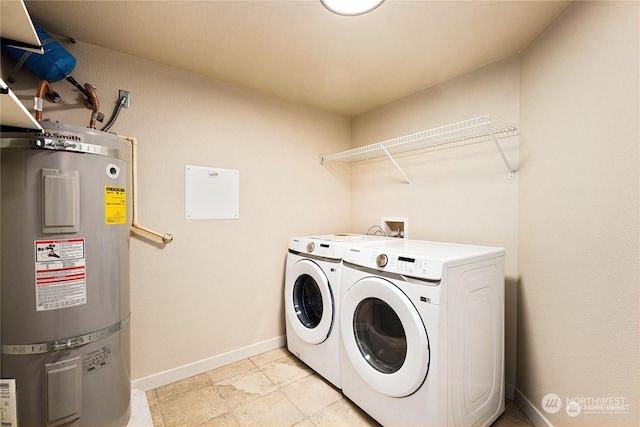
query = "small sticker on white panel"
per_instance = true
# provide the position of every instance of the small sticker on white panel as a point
(211, 193)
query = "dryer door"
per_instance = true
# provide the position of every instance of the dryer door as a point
(384, 337)
(309, 301)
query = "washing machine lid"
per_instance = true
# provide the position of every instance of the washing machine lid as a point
(417, 258)
(309, 304)
(384, 337)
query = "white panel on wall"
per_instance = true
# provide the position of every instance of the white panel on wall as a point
(211, 193)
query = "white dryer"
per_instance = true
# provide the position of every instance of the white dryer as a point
(422, 329)
(311, 299)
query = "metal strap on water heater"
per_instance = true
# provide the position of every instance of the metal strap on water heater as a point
(65, 145)
(65, 344)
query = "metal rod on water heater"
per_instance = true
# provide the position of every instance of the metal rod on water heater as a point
(164, 237)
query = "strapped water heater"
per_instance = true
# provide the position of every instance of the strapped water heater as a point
(66, 211)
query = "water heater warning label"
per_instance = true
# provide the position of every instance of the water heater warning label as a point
(61, 277)
(115, 205)
(8, 406)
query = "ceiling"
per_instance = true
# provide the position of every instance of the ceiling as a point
(299, 51)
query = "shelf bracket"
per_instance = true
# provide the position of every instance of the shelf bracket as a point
(406, 178)
(512, 172)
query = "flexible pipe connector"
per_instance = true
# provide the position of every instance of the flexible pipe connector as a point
(114, 116)
(93, 98)
(135, 226)
(43, 86)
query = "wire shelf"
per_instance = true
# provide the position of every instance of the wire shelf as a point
(478, 129)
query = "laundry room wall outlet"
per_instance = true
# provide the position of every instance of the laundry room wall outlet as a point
(395, 226)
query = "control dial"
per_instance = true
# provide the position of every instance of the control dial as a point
(381, 260)
(311, 246)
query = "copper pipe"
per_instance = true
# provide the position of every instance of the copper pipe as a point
(91, 93)
(43, 86)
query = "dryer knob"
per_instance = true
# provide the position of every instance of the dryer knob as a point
(381, 260)
(311, 246)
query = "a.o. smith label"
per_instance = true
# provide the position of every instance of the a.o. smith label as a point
(60, 135)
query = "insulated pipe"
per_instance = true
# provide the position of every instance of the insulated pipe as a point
(166, 237)
(43, 86)
(91, 93)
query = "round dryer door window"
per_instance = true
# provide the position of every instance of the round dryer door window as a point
(379, 335)
(384, 337)
(309, 302)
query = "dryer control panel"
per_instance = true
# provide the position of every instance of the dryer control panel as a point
(316, 247)
(408, 265)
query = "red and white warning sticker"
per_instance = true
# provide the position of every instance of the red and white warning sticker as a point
(61, 277)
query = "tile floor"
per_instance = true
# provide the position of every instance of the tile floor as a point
(270, 389)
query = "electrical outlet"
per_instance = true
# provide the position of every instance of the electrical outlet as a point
(127, 94)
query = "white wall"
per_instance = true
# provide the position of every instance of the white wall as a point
(578, 214)
(462, 194)
(218, 287)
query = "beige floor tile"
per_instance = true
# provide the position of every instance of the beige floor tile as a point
(151, 397)
(244, 388)
(286, 370)
(156, 416)
(231, 370)
(512, 417)
(274, 409)
(179, 387)
(270, 356)
(342, 413)
(272, 389)
(509, 419)
(192, 408)
(311, 394)
(226, 420)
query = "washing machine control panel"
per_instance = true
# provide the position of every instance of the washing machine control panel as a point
(316, 247)
(414, 266)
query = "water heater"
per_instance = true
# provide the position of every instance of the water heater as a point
(65, 275)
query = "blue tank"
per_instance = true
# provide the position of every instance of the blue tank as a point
(53, 65)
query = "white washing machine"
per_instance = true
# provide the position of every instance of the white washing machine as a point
(311, 299)
(422, 326)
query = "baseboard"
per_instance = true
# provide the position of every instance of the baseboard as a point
(201, 366)
(530, 410)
